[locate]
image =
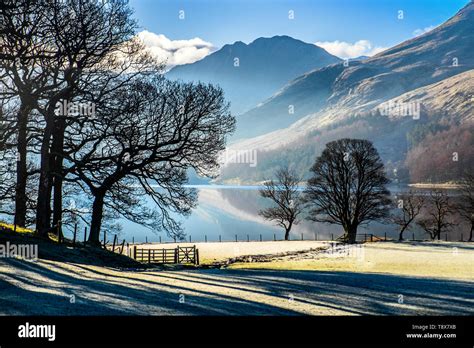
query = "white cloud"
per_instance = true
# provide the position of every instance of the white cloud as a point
(175, 52)
(344, 49)
(419, 32)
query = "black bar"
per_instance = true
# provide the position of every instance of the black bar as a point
(284, 330)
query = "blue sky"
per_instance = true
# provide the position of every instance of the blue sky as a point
(217, 22)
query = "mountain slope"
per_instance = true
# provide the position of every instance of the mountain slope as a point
(332, 91)
(434, 70)
(264, 65)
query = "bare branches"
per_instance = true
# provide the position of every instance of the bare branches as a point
(465, 207)
(286, 195)
(409, 207)
(348, 186)
(439, 209)
(145, 135)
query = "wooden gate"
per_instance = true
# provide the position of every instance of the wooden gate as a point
(183, 255)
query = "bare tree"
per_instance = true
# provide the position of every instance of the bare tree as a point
(466, 204)
(348, 186)
(286, 196)
(141, 143)
(21, 54)
(439, 209)
(408, 206)
(51, 51)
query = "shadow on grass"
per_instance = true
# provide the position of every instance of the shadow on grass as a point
(109, 297)
(322, 292)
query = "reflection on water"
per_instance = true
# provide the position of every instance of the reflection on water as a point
(230, 211)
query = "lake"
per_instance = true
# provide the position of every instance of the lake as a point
(227, 212)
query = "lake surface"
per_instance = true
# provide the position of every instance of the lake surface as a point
(230, 212)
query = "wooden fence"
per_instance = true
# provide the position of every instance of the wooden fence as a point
(364, 237)
(182, 255)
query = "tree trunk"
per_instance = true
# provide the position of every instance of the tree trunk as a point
(43, 210)
(57, 170)
(287, 230)
(351, 234)
(21, 169)
(400, 237)
(97, 213)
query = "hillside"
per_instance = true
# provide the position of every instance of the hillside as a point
(264, 66)
(433, 70)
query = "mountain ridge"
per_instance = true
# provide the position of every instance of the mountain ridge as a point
(263, 66)
(430, 64)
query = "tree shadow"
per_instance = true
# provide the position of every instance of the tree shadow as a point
(109, 297)
(120, 293)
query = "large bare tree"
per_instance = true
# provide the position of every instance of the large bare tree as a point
(286, 196)
(51, 52)
(24, 73)
(348, 186)
(141, 143)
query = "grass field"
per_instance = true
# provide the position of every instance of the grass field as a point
(385, 279)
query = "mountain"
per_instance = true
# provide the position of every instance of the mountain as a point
(433, 70)
(251, 73)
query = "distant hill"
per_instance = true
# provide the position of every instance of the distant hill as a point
(264, 66)
(433, 70)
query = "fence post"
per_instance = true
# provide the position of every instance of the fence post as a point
(146, 239)
(365, 237)
(105, 238)
(160, 239)
(85, 235)
(446, 237)
(236, 238)
(260, 237)
(371, 237)
(196, 256)
(176, 252)
(385, 236)
(274, 237)
(220, 239)
(189, 238)
(413, 236)
(205, 238)
(149, 255)
(135, 252)
(174, 239)
(133, 240)
(113, 244)
(248, 238)
(332, 236)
